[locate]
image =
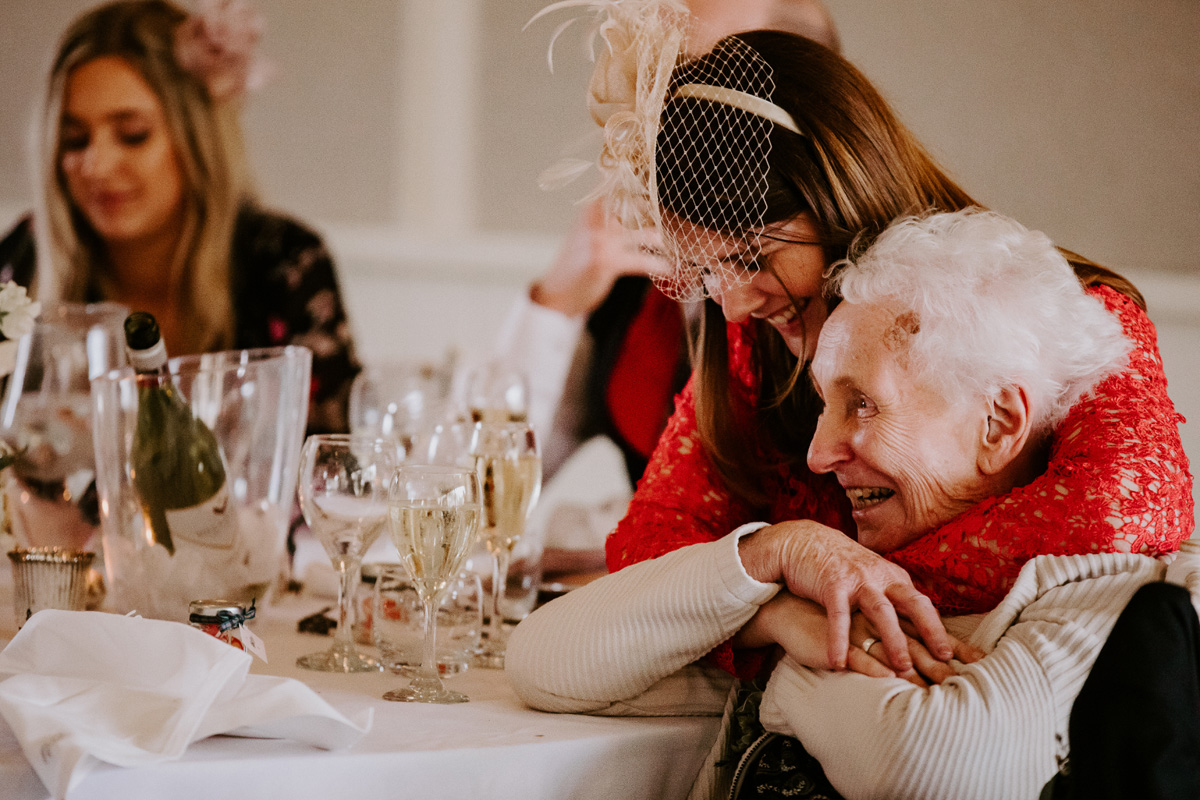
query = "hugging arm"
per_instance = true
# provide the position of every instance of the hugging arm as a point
(997, 729)
(599, 647)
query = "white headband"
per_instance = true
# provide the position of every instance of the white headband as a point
(749, 103)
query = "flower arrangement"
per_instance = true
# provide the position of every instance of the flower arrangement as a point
(216, 44)
(17, 315)
(640, 42)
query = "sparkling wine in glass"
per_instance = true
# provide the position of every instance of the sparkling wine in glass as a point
(433, 513)
(343, 495)
(509, 466)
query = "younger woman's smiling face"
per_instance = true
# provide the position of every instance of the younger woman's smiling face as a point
(906, 455)
(779, 280)
(116, 153)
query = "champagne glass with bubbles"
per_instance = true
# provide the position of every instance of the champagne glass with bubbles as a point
(343, 495)
(509, 465)
(433, 513)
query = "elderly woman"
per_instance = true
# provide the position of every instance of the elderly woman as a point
(961, 341)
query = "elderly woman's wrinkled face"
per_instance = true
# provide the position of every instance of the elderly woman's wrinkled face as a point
(906, 455)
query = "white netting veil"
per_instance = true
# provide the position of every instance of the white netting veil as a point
(710, 176)
(686, 140)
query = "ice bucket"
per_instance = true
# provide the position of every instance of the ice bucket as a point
(256, 403)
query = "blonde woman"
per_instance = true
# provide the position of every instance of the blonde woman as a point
(145, 198)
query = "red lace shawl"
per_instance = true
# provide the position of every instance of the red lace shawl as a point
(1117, 480)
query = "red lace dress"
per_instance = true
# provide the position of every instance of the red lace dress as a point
(1117, 480)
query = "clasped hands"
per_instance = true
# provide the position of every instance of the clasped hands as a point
(838, 596)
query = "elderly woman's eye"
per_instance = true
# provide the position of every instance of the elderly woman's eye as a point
(862, 406)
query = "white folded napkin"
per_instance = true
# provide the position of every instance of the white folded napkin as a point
(79, 687)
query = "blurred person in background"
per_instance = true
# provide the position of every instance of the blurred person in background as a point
(144, 197)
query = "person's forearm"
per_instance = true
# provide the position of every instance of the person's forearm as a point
(996, 729)
(616, 637)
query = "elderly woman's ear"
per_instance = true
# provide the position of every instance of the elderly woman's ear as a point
(1005, 446)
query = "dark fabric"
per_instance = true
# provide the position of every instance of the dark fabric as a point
(610, 327)
(769, 766)
(1135, 727)
(779, 767)
(285, 291)
(17, 257)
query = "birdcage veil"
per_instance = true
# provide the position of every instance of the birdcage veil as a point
(686, 138)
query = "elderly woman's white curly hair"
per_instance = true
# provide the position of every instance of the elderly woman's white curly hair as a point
(992, 304)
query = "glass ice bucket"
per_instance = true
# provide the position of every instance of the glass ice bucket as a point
(256, 404)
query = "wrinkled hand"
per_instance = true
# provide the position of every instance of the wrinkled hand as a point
(800, 627)
(595, 253)
(824, 565)
(925, 669)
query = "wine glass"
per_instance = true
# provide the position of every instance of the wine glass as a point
(343, 495)
(449, 444)
(509, 465)
(399, 400)
(496, 392)
(434, 515)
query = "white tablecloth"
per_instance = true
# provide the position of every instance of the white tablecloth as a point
(492, 747)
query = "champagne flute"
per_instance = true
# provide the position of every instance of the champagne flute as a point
(343, 495)
(510, 474)
(434, 515)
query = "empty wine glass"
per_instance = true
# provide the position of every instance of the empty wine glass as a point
(433, 513)
(509, 465)
(400, 400)
(343, 495)
(449, 444)
(496, 392)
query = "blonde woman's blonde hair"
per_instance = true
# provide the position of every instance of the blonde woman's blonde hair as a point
(208, 143)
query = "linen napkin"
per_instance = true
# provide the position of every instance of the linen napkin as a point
(80, 687)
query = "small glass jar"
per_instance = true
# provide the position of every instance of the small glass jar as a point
(364, 601)
(221, 618)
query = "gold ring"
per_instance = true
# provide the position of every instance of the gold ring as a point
(868, 643)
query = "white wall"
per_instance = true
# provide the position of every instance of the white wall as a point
(412, 132)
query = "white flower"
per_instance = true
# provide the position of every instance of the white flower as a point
(17, 311)
(613, 87)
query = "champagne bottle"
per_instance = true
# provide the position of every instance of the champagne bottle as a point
(178, 470)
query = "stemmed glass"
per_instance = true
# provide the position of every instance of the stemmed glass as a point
(343, 495)
(434, 516)
(495, 392)
(399, 400)
(509, 465)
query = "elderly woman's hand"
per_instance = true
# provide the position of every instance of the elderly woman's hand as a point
(800, 628)
(823, 564)
(925, 670)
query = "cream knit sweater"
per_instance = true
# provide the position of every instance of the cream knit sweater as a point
(627, 644)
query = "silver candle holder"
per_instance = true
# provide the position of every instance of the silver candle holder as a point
(48, 577)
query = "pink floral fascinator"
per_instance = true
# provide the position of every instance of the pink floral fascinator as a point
(216, 44)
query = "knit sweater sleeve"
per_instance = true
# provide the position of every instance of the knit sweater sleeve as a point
(619, 637)
(999, 727)
(1117, 481)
